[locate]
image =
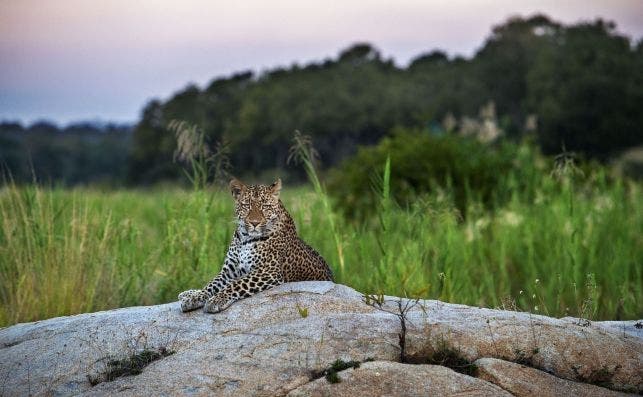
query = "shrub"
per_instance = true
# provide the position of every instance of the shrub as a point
(459, 167)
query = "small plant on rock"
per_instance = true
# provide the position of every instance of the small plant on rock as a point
(403, 308)
(128, 366)
(447, 356)
(339, 365)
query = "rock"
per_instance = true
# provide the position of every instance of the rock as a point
(386, 378)
(264, 346)
(558, 346)
(521, 380)
(632, 327)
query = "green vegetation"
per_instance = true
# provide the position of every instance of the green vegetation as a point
(563, 246)
(447, 356)
(448, 196)
(469, 171)
(129, 366)
(331, 374)
(78, 154)
(576, 86)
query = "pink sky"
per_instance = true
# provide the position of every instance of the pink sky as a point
(67, 60)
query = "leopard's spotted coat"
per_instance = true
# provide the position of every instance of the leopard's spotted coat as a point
(265, 251)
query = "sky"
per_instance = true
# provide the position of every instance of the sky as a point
(72, 60)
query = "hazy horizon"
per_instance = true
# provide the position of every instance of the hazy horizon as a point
(73, 61)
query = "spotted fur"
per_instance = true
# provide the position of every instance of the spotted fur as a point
(265, 251)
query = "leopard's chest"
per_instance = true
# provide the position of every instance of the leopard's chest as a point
(250, 256)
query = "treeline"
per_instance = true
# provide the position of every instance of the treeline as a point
(576, 87)
(81, 153)
(579, 86)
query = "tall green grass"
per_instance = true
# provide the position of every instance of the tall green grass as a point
(568, 251)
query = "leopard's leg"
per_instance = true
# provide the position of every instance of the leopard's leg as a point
(243, 287)
(196, 298)
(192, 299)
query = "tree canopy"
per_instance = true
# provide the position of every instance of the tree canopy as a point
(580, 86)
(583, 82)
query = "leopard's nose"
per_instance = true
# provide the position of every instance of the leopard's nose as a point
(254, 223)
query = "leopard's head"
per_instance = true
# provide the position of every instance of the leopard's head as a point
(257, 207)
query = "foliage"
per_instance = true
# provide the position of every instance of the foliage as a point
(587, 91)
(331, 374)
(576, 86)
(572, 247)
(422, 162)
(302, 151)
(128, 366)
(447, 356)
(193, 151)
(581, 85)
(78, 154)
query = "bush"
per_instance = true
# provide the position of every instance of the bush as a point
(461, 168)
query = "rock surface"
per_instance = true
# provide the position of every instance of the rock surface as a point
(265, 346)
(386, 378)
(521, 381)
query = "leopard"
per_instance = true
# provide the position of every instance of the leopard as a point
(265, 251)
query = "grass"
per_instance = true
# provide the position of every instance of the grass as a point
(332, 373)
(569, 251)
(128, 366)
(446, 356)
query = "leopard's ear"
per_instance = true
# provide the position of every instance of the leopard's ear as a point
(236, 187)
(275, 188)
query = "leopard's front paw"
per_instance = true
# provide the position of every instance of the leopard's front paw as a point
(215, 305)
(192, 299)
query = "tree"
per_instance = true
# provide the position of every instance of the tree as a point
(588, 91)
(503, 63)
